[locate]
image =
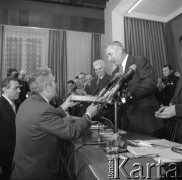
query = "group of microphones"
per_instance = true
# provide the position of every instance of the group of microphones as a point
(115, 84)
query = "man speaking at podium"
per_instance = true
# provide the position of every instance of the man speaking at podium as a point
(138, 113)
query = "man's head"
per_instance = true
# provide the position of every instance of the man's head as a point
(88, 77)
(43, 82)
(167, 70)
(12, 72)
(71, 86)
(81, 78)
(99, 67)
(10, 88)
(22, 75)
(115, 52)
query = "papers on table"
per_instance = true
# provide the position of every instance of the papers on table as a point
(159, 149)
(142, 151)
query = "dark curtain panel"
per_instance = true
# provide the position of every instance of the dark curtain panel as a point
(57, 60)
(1, 51)
(172, 57)
(96, 50)
(146, 38)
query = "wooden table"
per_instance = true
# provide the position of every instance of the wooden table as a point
(85, 160)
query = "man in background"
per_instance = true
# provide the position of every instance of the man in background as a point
(24, 88)
(101, 79)
(138, 111)
(167, 86)
(10, 92)
(88, 79)
(39, 128)
(173, 112)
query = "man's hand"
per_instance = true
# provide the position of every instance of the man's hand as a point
(69, 103)
(166, 112)
(92, 110)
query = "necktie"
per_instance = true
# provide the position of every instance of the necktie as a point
(121, 70)
(14, 107)
(98, 80)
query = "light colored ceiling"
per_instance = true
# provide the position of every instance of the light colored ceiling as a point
(160, 10)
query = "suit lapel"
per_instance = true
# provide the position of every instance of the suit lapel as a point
(8, 107)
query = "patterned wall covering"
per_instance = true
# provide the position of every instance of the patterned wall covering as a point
(24, 48)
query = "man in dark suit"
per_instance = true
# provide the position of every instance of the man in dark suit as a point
(138, 114)
(39, 128)
(101, 79)
(173, 112)
(10, 92)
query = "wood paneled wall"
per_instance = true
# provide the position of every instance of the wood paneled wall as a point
(53, 16)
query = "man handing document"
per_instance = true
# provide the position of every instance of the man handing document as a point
(137, 115)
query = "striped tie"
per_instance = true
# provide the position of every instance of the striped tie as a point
(121, 70)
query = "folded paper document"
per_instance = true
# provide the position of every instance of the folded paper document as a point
(139, 143)
(142, 151)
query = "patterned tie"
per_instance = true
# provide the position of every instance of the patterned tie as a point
(121, 70)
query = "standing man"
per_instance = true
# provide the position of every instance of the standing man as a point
(138, 114)
(168, 85)
(39, 128)
(173, 112)
(10, 92)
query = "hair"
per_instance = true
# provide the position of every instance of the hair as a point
(117, 44)
(6, 82)
(11, 70)
(99, 62)
(71, 81)
(39, 79)
(180, 38)
(169, 66)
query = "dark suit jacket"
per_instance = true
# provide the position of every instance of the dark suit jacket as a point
(177, 101)
(139, 115)
(96, 88)
(39, 128)
(7, 124)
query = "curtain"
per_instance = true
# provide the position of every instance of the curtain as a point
(78, 53)
(24, 48)
(57, 60)
(172, 57)
(1, 51)
(96, 52)
(146, 38)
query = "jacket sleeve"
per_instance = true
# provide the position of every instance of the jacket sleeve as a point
(178, 108)
(53, 121)
(144, 81)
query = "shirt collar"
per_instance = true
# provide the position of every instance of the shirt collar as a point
(10, 102)
(102, 76)
(45, 98)
(124, 63)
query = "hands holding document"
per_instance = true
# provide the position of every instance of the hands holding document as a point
(166, 112)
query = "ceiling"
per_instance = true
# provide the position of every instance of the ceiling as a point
(95, 4)
(161, 10)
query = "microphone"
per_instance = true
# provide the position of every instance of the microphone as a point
(122, 80)
(109, 84)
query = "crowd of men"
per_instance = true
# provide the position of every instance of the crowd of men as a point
(29, 148)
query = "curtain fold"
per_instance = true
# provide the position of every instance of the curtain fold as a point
(146, 38)
(96, 52)
(172, 57)
(57, 59)
(1, 51)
